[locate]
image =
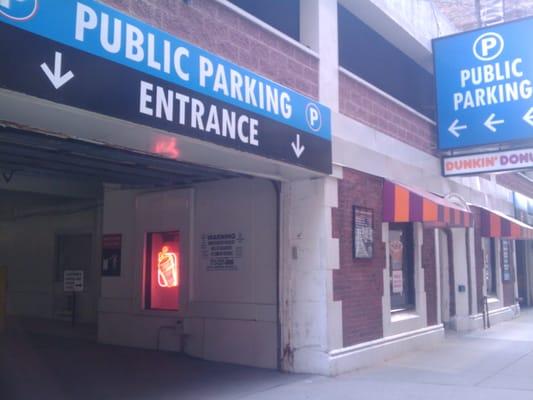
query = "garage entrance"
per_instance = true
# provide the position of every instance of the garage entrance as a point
(175, 256)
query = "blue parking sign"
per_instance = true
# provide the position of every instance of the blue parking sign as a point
(484, 86)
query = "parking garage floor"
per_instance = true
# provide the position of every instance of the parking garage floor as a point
(44, 364)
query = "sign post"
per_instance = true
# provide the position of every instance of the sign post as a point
(484, 86)
(73, 282)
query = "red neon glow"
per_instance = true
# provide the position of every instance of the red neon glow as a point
(167, 147)
(167, 268)
(163, 270)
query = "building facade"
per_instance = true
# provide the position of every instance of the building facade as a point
(230, 255)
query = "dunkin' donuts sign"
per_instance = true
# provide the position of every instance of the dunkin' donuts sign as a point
(497, 161)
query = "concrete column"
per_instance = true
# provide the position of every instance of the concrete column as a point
(385, 300)
(444, 299)
(514, 271)
(318, 31)
(460, 271)
(529, 270)
(311, 322)
(420, 286)
(438, 268)
(473, 276)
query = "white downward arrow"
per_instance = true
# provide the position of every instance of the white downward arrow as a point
(529, 117)
(490, 122)
(454, 128)
(298, 150)
(55, 77)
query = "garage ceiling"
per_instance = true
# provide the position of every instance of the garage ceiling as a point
(42, 154)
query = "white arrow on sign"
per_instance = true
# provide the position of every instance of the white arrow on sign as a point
(529, 117)
(55, 77)
(298, 150)
(490, 122)
(455, 128)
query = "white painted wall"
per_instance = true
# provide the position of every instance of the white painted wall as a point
(226, 316)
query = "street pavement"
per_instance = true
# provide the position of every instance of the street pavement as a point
(491, 364)
(484, 365)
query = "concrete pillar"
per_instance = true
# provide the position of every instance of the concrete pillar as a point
(420, 286)
(438, 272)
(444, 299)
(311, 322)
(473, 276)
(318, 31)
(460, 270)
(514, 270)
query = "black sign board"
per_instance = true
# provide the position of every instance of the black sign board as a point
(46, 69)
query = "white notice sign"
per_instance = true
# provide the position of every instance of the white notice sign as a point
(397, 282)
(73, 281)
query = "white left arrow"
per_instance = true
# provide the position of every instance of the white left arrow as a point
(529, 117)
(56, 77)
(490, 122)
(298, 149)
(454, 128)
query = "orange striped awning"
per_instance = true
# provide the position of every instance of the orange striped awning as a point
(495, 224)
(405, 204)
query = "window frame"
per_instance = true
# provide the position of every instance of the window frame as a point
(408, 268)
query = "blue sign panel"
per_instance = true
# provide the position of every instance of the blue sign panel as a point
(171, 84)
(484, 86)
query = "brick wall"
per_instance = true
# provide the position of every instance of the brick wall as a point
(516, 183)
(430, 275)
(369, 107)
(219, 30)
(359, 283)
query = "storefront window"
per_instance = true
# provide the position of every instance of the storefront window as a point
(401, 267)
(162, 275)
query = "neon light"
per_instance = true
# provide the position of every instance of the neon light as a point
(167, 268)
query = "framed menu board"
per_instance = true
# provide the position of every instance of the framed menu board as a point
(363, 232)
(506, 259)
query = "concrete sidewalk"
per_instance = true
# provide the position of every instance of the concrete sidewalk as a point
(486, 365)
(493, 364)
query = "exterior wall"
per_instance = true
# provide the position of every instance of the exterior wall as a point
(366, 105)
(216, 28)
(362, 286)
(333, 310)
(430, 275)
(516, 183)
(228, 316)
(358, 284)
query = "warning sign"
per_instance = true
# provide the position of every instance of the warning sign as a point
(73, 281)
(222, 251)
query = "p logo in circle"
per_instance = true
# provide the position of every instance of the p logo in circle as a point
(18, 10)
(313, 117)
(488, 46)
